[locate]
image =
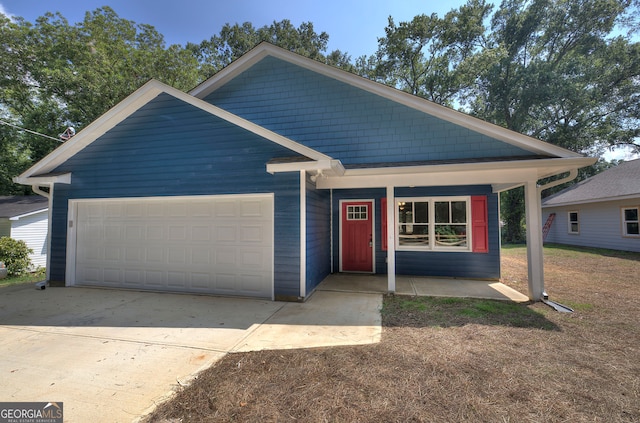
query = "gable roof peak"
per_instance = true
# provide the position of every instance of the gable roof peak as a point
(134, 102)
(264, 49)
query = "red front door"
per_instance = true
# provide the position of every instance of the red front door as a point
(357, 236)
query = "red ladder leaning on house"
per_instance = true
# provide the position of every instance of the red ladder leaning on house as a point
(547, 226)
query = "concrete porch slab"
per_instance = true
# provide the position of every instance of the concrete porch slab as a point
(369, 284)
(422, 286)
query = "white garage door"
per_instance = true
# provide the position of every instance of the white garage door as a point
(219, 245)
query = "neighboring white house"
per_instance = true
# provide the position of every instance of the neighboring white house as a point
(26, 218)
(602, 211)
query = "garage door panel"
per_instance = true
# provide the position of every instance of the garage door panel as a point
(201, 233)
(177, 233)
(112, 276)
(154, 279)
(225, 282)
(218, 245)
(91, 275)
(252, 234)
(225, 233)
(251, 282)
(177, 280)
(133, 277)
(225, 208)
(155, 255)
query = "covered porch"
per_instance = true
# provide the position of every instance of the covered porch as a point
(422, 286)
(499, 174)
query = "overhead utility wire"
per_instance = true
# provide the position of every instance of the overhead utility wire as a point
(30, 131)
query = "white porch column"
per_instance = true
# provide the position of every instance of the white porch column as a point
(391, 240)
(535, 261)
(303, 233)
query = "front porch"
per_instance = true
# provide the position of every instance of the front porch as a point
(421, 286)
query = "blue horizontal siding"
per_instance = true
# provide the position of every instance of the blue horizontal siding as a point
(170, 148)
(429, 263)
(318, 246)
(346, 122)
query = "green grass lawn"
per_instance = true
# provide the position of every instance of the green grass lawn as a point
(28, 278)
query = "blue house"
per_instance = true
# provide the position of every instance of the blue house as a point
(278, 171)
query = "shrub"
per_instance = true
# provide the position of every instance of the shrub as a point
(15, 255)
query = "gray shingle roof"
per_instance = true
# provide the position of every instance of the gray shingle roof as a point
(16, 205)
(622, 181)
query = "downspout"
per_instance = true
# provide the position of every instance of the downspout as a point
(37, 190)
(48, 196)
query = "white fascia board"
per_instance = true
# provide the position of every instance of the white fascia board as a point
(135, 101)
(248, 125)
(496, 188)
(44, 180)
(488, 173)
(232, 70)
(478, 125)
(29, 214)
(333, 167)
(96, 129)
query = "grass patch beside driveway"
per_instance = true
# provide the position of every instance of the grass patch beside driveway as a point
(456, 359)
(403, 311)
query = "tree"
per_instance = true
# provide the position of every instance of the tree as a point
(59, 75)
(429, 56)
(235, 40)
(551, 69)
(560, 77)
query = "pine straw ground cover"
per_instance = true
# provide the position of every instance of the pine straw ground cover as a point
(455, 360)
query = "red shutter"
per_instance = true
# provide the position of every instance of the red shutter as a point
(383, 223)
(479, 224)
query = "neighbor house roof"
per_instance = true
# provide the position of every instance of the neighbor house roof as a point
(616, 183)
(16, 206)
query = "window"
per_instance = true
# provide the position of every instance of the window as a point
(413, 223)
(630, 222)
(574, 225)
(357, 212)
(439, 223)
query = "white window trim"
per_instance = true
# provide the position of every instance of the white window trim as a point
(569, 222)
(432, 244)
(624, 221)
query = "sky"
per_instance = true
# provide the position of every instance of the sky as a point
(353, 25)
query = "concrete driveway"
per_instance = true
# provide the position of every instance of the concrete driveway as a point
(111, 355)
